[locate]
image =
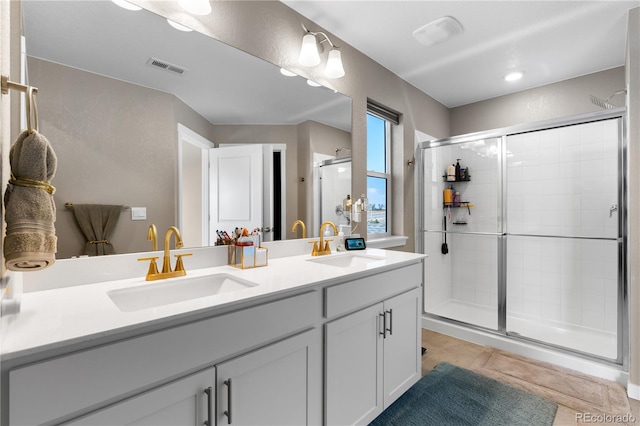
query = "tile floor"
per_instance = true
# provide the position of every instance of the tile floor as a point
(463, 354)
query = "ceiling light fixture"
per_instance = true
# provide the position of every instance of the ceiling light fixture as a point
(313, 83)
(514, 76)
(310, 57)
(288, 73)
(126, 5)
(438, 31)
(196, 7)
(178, 27)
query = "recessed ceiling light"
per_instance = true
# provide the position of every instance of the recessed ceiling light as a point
(313, 83)
(514, 75)
(288, 73)
(178, 27)
(438, 31)
(126, 5)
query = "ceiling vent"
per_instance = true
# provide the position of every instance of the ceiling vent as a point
(167, 66)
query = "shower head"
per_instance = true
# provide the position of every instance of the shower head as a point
(605, 103)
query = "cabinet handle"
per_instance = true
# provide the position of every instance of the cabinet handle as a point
(390, 329)
(228, 412)
(209, 393)
(384, 325)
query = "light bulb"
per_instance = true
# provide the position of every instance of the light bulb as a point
(309, 55)
(334, 67)
(196, 7)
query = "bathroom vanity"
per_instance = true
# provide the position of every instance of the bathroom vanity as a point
(325, 340)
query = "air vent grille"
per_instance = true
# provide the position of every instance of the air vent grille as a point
(167, 66)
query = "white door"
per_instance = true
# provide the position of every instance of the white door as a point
(275, 385)
(353, 368)
(402, 344)
(193, 187)
(180, 403)
(236, 189)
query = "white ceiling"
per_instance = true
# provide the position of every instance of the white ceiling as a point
(550, 40)
(225, 85)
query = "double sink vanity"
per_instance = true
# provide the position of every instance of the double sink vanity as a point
(306, 340)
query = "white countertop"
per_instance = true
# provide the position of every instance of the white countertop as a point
(52, 319)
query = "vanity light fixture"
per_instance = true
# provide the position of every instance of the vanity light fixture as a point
(196, 7)
(514, 75)
(178, 27)
(126, 5)
(310, 56)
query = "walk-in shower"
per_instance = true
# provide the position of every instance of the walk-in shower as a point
(535, 231)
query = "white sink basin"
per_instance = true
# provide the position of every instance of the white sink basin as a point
(347, 260)
(174, 290)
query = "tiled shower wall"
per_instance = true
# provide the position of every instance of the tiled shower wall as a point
(559, 183)
(563, 183)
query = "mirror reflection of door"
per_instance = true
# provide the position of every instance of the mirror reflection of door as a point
(228, 187)
(193, 187)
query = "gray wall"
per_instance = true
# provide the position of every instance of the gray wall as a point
(116, 144)
(561, 99)
(632, 76)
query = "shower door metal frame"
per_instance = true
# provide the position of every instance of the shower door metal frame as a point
(622, 237)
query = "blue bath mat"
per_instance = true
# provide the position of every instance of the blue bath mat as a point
(451, 395)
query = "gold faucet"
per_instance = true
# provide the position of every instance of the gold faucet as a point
(324, 244)
(179, 271)
(152, 235)
(304, 228)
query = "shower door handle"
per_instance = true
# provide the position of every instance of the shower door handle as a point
(612, 208)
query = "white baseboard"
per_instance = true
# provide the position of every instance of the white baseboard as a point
(633, 391)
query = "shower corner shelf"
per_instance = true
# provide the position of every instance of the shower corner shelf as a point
(467, 179)
(461, 205)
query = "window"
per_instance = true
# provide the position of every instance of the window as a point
(379, 122)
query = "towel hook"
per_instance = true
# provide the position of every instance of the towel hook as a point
(32, 107)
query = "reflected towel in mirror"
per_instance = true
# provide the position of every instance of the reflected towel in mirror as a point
(97, 221)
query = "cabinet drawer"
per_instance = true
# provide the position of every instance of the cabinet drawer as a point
(362, 292)
(59, 387)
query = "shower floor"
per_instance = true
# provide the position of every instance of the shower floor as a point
(570, 336)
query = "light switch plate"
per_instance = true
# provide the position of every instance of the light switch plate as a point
(138, 213)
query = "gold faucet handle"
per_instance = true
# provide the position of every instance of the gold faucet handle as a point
(314, 252)
(327, 248)
(179, 264)
(153, 267)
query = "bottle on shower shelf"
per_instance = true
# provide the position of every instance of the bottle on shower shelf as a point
(457, 170)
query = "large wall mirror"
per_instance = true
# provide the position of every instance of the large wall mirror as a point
(132, 106)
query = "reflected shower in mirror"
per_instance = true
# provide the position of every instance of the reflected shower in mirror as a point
(114, 86)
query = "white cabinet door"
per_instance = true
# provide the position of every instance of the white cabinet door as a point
(277, 385)
(402, 345)
(353, 367)
(180, 403)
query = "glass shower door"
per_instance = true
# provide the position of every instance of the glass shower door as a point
(563, 240)
(462, 231)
